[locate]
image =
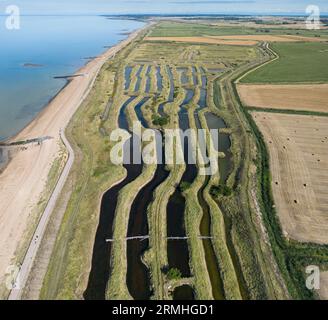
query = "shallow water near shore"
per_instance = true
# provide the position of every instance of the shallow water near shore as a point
(45, 47)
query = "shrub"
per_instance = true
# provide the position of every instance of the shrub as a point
(160, 121)
(174, 274)
(184, 186)
(221, 189)
(97, 172)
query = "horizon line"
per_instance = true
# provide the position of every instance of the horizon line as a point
(267, 14)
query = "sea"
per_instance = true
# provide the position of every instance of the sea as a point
(45, 47)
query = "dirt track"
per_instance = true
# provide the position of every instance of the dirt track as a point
(298, 147)
(312, 97)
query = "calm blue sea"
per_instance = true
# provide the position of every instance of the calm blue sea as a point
(59, 44)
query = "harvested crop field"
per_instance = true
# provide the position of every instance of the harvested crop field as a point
(310, 97)
(323, 292)
(306, 39)
(298, 147)
(251, 24)
(208, 40)
(268, 38)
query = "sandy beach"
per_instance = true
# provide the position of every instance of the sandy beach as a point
(23, 180)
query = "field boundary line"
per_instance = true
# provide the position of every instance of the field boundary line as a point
(288, 111)
(267, 46)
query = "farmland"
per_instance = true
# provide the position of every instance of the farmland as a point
(298, 63)
(303, 97)
(299, 157)
(208, 40)
(269, 38)
(284, 101)
(178, 29)
(323, 292)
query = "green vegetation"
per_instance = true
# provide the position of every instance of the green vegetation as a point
(231, 277)
(174, 274)
(197, 254)
(221, 189)
(245, 265)
(292, 257)
(298, 62)
(288, 111)
(156, 256)
(184, 186)
(256, 268)
(66, 277)
(178, 29)
(62, 280)
(160, 121)
(117, 288)
(186, 54)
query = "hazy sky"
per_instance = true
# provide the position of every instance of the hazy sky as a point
(164, 6)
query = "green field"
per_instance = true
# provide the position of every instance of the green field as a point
(177, 29)
(298, 62)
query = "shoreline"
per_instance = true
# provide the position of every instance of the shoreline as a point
(25, 176)
(68, 80)
(15, 136)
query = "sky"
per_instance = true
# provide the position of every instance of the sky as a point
(164, 6)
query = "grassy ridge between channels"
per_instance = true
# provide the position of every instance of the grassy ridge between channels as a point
(194, 213)
(157, 256)
(249, 264)
(228, 274)
(244, 226)
(291, 256)
(239, 230)
(117, 287)
(229, 266)
(193, 216)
